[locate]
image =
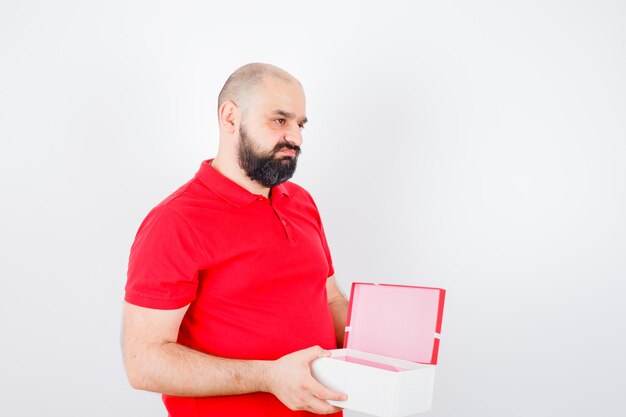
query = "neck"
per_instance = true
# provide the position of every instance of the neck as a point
(230, 169)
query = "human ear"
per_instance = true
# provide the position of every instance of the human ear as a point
(229, 116)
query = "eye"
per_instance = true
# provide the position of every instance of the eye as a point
(301, 125)
(281, 121)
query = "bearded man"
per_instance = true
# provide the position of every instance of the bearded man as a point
(230, 292)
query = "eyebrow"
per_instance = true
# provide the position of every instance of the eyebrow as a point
(288, 115)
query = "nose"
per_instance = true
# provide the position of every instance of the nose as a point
(294, 135)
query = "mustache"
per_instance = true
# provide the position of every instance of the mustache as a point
(287, 145)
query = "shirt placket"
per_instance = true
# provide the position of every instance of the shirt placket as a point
(285, 223)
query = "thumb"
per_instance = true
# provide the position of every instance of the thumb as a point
(317, 352)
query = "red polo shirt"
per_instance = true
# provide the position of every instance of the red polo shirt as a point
(252, 269)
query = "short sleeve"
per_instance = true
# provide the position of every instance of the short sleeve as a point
(164, 262)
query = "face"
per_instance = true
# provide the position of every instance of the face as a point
(268, 168)
(270, 132)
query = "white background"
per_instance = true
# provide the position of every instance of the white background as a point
(473, 145)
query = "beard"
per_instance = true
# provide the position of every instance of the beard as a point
(265, 167)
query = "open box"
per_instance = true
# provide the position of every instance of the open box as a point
(387, 366)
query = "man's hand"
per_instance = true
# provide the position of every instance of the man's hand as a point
(290, 380)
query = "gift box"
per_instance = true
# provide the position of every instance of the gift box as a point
(387, 366)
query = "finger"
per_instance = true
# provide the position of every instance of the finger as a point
(316, 352)
(324, 393)
(318, 406)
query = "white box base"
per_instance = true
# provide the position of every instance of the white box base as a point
(377, 391)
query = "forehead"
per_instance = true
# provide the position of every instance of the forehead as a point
(274, 94)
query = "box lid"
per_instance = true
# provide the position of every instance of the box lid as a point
(399, 321)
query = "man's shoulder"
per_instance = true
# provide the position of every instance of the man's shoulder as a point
(169, 207)
(300, 195)
(195, 191)
(296, 190)
(178, 197)
(187, 201)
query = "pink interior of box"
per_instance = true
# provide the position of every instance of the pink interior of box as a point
(396, 321)
(370, 363)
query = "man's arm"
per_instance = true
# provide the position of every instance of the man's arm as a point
(155, 362)
(338, 309)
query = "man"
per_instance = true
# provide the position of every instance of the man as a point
(230, 293)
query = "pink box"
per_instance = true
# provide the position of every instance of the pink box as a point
(387, 365)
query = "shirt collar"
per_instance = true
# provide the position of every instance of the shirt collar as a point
(230, 191)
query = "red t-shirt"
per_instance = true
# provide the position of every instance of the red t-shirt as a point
(252, 269)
